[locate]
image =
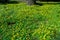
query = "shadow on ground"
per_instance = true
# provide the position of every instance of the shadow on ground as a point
(37, 3)
(11, 2)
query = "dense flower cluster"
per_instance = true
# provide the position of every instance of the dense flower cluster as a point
(22, 22)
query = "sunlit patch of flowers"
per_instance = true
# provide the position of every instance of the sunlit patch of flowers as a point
(23, 22)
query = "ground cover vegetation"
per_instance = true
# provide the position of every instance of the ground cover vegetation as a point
(24, 22)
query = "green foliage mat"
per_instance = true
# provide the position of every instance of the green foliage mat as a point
(23, 22)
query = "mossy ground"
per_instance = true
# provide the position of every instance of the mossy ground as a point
(23, 22)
